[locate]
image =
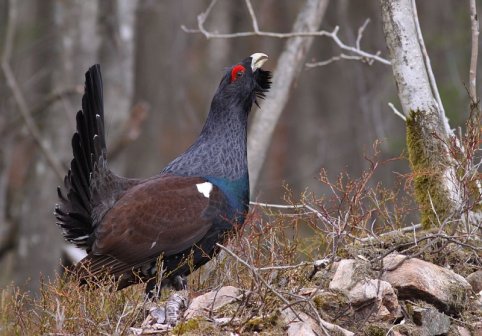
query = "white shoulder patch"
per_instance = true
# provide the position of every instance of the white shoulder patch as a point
(205, 188)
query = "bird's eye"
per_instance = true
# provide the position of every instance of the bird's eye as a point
(236, 72)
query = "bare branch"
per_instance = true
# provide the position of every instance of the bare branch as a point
(278, 206)
(18, 95)
(255, 273)
(253, 16)
(336, 59)
(397, 112)
(360, 33)
(363, 55)
(474, 53)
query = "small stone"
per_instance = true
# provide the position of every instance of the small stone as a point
(307, 326)
(463, 331)
(348, 273)
(477, 329)
(417, 279)
(379, 293)
(203, 304)
(432, 321)
(475, 280)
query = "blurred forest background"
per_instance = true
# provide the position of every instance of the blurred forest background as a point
(158, 83)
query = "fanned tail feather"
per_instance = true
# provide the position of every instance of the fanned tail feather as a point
(74, 212)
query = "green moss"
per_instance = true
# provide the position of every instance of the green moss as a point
(332, 304)
(374, 330)
(424, 152)
(185, 327)
(342, 252)
(259, 323)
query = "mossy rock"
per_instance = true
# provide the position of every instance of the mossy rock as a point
(331, 303)
(260, 323)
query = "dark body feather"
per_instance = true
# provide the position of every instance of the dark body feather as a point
(126, 224)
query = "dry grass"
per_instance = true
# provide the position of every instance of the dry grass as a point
(271, 258)
(64, 308)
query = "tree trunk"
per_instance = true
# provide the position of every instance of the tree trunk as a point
(56, 66)
(435, 180)
(116, 31)
(290, 63)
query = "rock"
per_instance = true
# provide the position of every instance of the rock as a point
(333, 304)
(306, 326)
(348, 273)
(417, 279)
(477, 329)
(462, 331)
(212, 301)
(350, 279)
(375, 292)
(478, 301)
(300, 329)
(475, 280)
(431, 320)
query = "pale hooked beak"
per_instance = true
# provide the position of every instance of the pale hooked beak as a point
(257, 60)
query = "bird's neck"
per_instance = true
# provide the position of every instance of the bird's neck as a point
(220, 150)
(220, 156)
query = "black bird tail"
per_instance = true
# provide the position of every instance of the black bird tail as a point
(75, 210)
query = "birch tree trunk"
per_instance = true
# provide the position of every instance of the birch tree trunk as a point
(290, 63)
(435, 180)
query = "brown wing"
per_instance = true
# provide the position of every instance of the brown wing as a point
(164, 215)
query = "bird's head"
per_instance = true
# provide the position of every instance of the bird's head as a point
(245, 81)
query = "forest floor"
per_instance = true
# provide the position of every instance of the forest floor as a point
(270, 279)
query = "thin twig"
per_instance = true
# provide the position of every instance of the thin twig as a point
(254, 21)
(402, 230)
(257, 276)
(284, 267)
(18, 95)
(278, 206)
(474, 19)
(397, 112)
(257, 32)
(334, 59)
(361, 30)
